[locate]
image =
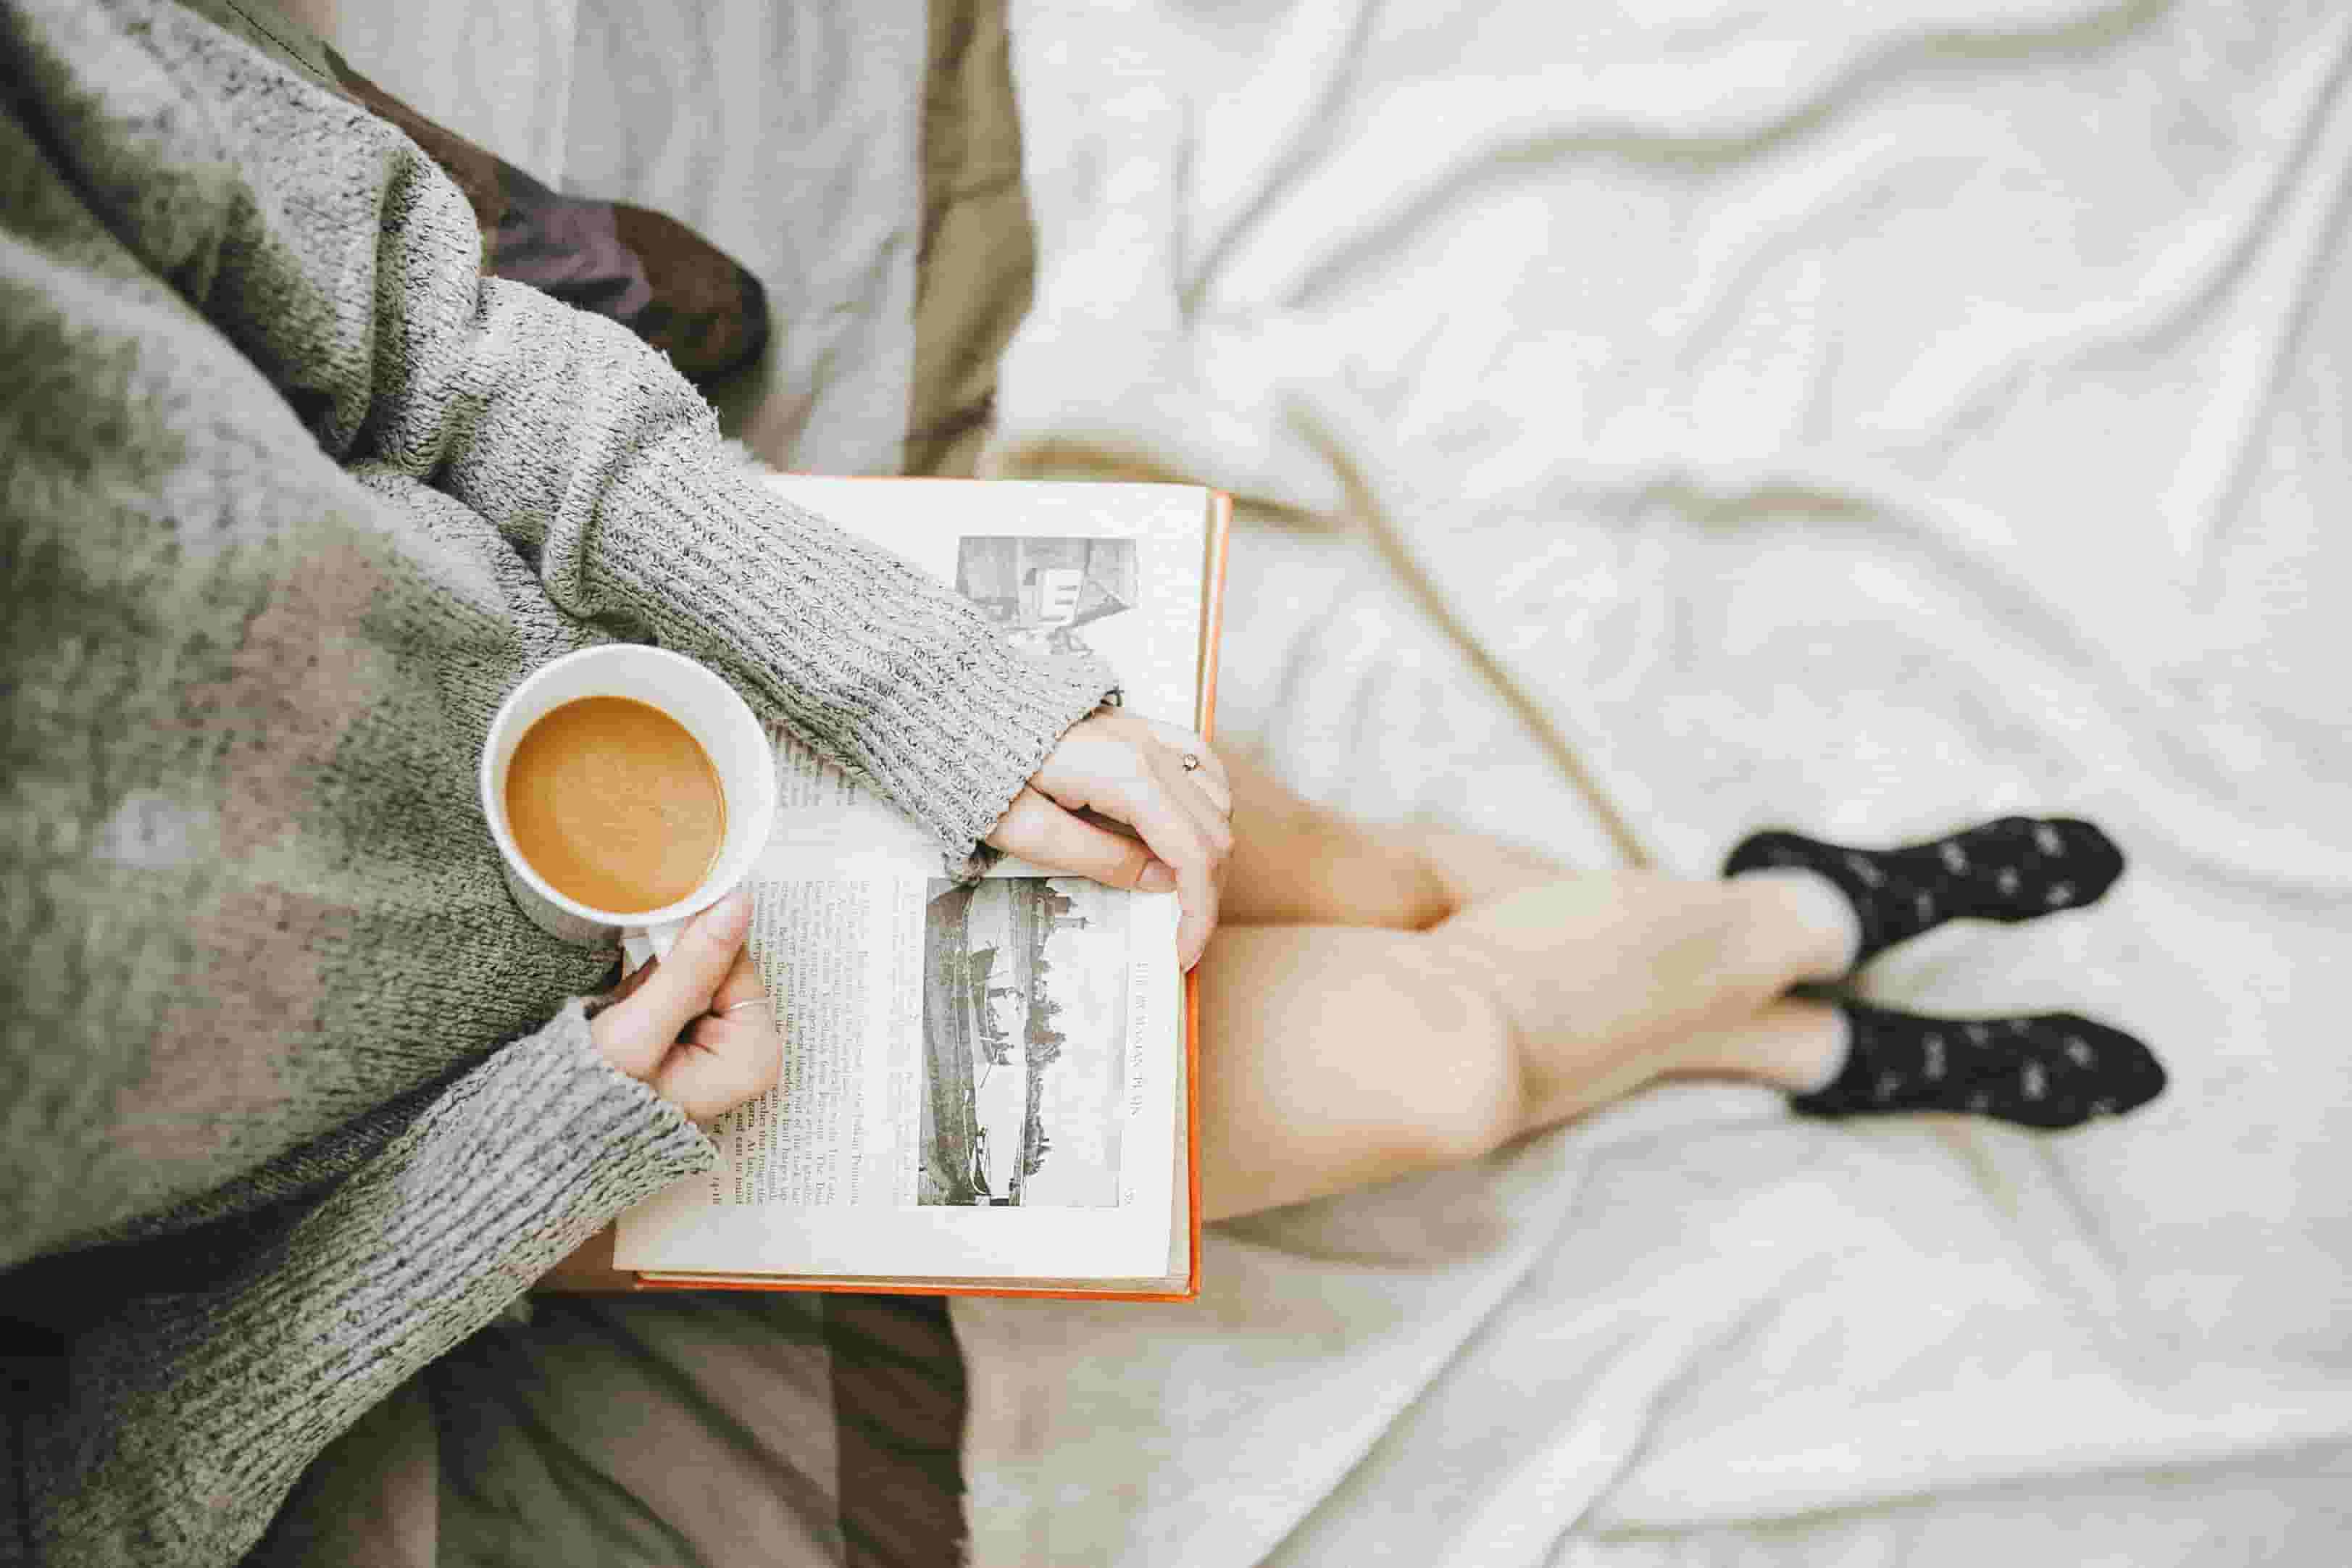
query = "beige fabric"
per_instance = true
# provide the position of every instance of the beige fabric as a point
(979, 254)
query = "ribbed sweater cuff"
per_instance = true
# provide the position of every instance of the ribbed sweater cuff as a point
(882, 667)
(518, 1163)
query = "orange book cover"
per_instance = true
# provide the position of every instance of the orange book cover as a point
(592, 1269)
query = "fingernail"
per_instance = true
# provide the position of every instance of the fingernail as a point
(731, 916)
(1157, 879)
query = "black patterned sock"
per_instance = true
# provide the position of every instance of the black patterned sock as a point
(2051, 1069)
(2013, 869)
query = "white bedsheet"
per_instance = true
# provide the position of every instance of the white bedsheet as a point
(1860, 418)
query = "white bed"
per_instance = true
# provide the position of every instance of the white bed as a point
(1860, 418)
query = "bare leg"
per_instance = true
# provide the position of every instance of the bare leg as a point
(1336, 1055)
(1296, 864)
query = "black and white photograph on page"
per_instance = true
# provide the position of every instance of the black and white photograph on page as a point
(1043, 592)
(1024, 1014)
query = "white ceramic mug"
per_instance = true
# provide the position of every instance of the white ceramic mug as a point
(730, 734)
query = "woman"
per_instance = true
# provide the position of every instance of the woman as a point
(297, 1099)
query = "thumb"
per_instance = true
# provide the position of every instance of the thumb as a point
(681, 987)
(1044, 833)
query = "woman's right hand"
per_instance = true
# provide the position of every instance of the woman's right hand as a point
(667, 1025)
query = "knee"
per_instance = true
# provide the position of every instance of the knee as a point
(1466, 1097)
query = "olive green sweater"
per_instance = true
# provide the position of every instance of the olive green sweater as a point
(290, 1096)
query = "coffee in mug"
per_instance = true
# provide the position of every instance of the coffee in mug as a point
(616, 804)
(626, 787)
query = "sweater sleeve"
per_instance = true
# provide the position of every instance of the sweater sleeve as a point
(606, 469)
(184, 1420)
(345, 266)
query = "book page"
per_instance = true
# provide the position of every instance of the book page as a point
(978, 1080)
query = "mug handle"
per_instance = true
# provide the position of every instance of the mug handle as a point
(644, 943)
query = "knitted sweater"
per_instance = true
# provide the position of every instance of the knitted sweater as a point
(290, 498)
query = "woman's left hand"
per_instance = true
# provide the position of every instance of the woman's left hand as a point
(696, 1026)
(1132, 771)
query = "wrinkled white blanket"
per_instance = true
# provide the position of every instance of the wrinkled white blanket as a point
(1859, 418)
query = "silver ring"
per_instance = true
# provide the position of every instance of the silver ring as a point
(1191, 761)
(739, 1006)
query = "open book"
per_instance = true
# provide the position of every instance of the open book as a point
(986, 1087)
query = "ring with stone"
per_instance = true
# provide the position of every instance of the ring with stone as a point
(1191, 761)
